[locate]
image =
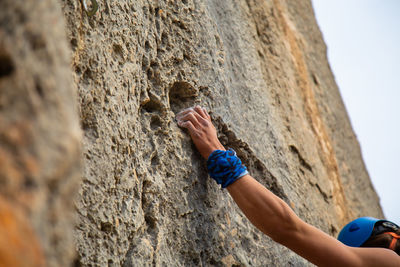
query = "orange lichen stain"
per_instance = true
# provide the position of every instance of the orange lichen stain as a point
(228, 220)
(17, 134)
(329, 158)
(19, 246)
(234, 232)
(292, 205)
(8, 169)
(228, 260)
(31, 165)
(221, 235)
(13, 135)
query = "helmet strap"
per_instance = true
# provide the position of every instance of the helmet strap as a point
(394, 239)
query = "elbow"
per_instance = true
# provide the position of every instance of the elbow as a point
(287, 228)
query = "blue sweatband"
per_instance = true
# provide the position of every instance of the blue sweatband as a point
(225, 167)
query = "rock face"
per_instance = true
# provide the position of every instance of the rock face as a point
(40, 139)
(145, 197)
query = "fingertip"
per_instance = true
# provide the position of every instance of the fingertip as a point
(197, 107)
(200, 111)
(184, 111)
(206, 112)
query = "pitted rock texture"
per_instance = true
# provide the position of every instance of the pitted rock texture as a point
(261, 68)
(40, 137)
(145, 198)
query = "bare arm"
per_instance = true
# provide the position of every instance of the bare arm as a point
(274, 217)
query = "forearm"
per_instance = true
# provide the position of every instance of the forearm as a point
(276, 219)
(265, 210)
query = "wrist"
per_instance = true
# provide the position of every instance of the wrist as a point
(212, 149)
(225, 167)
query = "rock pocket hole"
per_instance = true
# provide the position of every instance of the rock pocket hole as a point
(182, 95)
(106, 227)
(155, 122)
(153, 105)
(6, 65)
(155, 161)
(74, 43)
(150, 221)
(39, 89)
(36, 41)
(147, 46)
(77, 261)
(30, 183)
(164, 39)
(87, 75)
(118, 51)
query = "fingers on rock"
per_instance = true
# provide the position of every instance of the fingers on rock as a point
(200, 111)
(189, 125)
(184, 112)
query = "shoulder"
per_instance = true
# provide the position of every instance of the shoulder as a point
(376, 257)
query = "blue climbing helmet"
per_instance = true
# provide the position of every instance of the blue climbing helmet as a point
(355, 233)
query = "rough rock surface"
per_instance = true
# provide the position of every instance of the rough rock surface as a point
(145, 198)
(40, 139)
(261, 67)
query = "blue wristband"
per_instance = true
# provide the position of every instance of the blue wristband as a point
(225, 167)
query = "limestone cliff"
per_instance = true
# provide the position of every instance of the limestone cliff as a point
(145, 198)
(40, 139)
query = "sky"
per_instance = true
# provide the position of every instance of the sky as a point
(363, 40)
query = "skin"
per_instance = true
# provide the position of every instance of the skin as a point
(274, 217)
